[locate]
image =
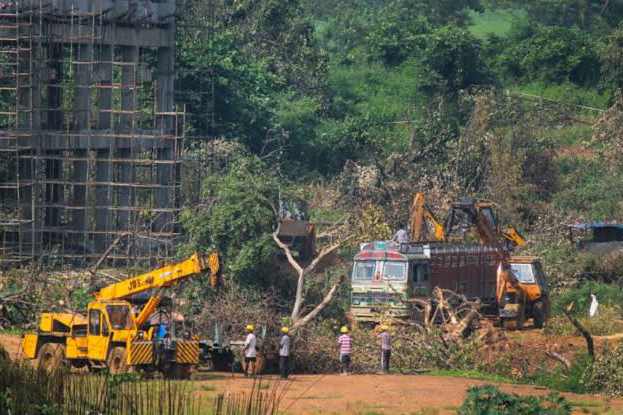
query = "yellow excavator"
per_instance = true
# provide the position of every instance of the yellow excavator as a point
(421, 215)
(115, 333)
(521, 290)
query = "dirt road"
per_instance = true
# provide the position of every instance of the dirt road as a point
(378, 394)
(367, 394)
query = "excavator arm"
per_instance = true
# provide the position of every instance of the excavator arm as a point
(163, 277)
(513, 236)
(420, 215)
(481, 216)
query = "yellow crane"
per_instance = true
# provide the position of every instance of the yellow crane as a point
(114, 334)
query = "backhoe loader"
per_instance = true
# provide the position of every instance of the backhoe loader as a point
(421, 215)
(521, 290)
(114, 333)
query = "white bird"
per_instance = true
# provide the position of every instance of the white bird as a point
(592, 311)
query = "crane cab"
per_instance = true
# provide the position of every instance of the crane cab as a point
(110, 324)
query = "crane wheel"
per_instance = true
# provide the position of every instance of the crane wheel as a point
(117, 361)
(538, 314)
(179, 371)
(51, 357)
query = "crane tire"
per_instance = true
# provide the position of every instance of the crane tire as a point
(51, 357)
(538, 314)
(179, 371)
(117, 361)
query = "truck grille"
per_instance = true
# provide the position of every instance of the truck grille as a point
(372, 298)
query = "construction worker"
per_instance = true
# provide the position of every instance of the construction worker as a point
(386, 347)
(250, 351)
(346, 347)
(284, 353)
(401, 236)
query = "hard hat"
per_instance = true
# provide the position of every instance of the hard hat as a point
(344, 330)
(383, 327)
(250, 327)
(285, 330)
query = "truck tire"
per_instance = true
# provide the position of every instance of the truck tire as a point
(50, 357)
(538, 314)
(117, 361)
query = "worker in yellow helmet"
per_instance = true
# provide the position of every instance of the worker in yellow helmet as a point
(250, 351)
(346, 347)
(284, 353)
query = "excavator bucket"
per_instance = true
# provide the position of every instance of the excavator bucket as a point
(212, 263)
(299, 235)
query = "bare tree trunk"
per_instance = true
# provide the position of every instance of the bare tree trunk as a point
(299, 299)
(325, 301)
(590, 346)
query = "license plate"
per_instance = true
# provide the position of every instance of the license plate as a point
(510, 310)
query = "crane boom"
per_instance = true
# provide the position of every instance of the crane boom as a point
(162, 277)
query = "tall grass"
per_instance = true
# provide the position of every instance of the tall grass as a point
(25, 390)
(257, 402)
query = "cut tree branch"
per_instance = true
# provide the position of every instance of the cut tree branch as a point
(325, 301)
(559, 358)
(324, 252)
(301, 272)
(286, 249)
(590, 346)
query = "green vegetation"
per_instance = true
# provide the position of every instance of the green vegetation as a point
(473, 374)
(498, 22)
(490, 400)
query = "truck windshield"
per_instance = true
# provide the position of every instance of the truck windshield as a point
(395, 271)
(119, 316)
(524, 273)
(364, 271)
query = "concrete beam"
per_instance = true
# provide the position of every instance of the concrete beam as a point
(148, 37)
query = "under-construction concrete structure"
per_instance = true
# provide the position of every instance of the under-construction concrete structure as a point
(89, 131)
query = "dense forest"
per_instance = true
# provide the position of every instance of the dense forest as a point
(357, 107)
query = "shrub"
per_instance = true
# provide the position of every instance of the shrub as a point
(488, 399)
(607, 321)
(606, 374)
(561, 379)
(551, 54)
(608, 295)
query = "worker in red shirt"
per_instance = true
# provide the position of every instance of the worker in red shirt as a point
(346, 347)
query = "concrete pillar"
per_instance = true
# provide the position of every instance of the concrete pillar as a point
(164, 197)
(83, 69)
(55, 92)
(79, 175)
(123, 174)
(102, 175)
(104, 99)
(36, 82)
(166, 87)
(129, 55)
